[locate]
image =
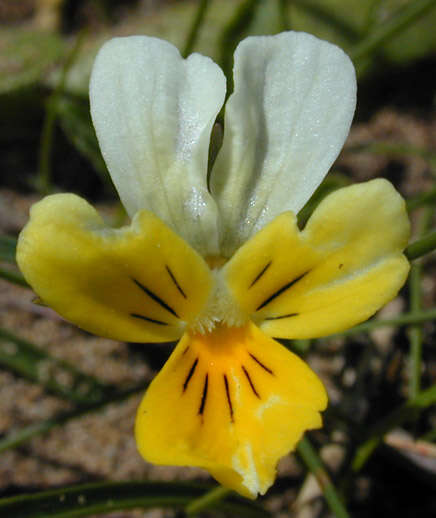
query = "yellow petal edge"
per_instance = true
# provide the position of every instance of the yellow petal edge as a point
(233, 401)
(140, 283)
(344, 266)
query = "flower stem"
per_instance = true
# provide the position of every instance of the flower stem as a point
(404, 17)
(421, 247)
(207, 500)
(404, 319)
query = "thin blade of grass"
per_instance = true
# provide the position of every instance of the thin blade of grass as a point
(29, 361)
(400, 415)
(328, 17)
(232, 34)
(8, 248)
(47, 133)
(195, 27)
(425, 198)
(99, 498)
(14, 277)
(415, 332)
(404, 17)
(333, 182)
(75, 120)
(15, 439)
(285, 18)
(402, 320)
(422, 246)
(312, 460)
(206, 501)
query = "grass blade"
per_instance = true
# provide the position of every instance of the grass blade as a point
(14, 277)
(422, 246)
(195, 28)
(8, 247)
(17, 438)
(206, 501)
(328, 16)
(98, 498)
(406, 318)
(400, 415)
(311, 459)
(404, 17)
(57, 376)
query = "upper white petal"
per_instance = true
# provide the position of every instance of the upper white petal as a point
(153, 112)
(290, 113)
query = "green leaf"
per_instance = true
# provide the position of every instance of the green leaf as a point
(57, 376)
(99, 498)
(25, 56)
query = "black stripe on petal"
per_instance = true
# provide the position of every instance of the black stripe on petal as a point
(190, 374)
(253, 388)
(157, 299)
(229, 399)
(281, 290)
(170, 273)
(261, 364)
(260, 274)
(148, 319)
(282, 316)
(204, 395)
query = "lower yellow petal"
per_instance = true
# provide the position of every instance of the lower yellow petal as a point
(233, 401)
(139, 283)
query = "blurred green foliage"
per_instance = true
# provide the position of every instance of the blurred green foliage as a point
(40, 61)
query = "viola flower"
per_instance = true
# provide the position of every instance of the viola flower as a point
(219, 262)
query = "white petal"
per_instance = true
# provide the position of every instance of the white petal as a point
(285, 124)
(153, 112)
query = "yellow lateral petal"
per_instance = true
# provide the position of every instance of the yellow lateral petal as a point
(233, 402)
(268, 261)
(340, 270)
(138, 283)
